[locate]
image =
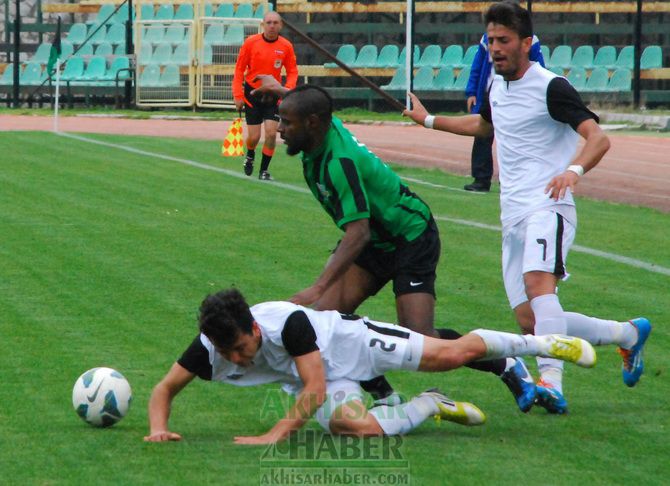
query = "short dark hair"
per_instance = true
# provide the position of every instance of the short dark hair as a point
(512, 16)
(224, 316)
(311, 100)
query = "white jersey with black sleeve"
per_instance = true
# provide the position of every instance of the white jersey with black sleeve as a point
(534, 120)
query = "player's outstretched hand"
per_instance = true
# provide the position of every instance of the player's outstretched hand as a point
(162, 436)
(418, 113)
(270, 88)
(559, 185)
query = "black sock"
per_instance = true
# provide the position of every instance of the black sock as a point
(495, 366)
(377, 387)
(265, 162)
(251, 154)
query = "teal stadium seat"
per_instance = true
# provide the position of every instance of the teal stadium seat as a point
(120, 49)
(577, 77)
(66, 49)
(367, 57)
(85, 50)
(116, 34)
(234, 36)
(147, 11)
(121, 16)
(260, 11)
(453, 55)
(104, 49)
(154, 34)
(74, 68)
(444, 79)
(346, 54)
(598, 80)
(652, 58)
(42, 53)
(461, 80)
(32, 74)
(605, 57)
(119, 65)
(7, 78)
(150, 76)
(583, 57)
(423, 79)
(105, 14)
(398, 81)
(557, 70)
(209, 10)
(621, 81)
(170, 76)
(244, 11)
(469, 56)
(625, 58)
(97, 35)
(184, 12)
(77, 33)
(145, 54)
(181, 55)
(214, 34)
(415, 57)
(207, 54)
(174, 34)
(561, 57)
(388, 56)
(545, 53)
(431, 56)
(162, 54)
(95, 70)
(225, 10)
(165, 12)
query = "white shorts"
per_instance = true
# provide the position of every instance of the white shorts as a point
(392, 347)
(338, 392)
(540, 242)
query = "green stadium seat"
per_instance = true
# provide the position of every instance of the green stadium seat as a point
(105, 14)
(145, 53)
(66, 49)
(181, 55)
(625, 58)
(225, 10)
(174, 34)
(95, 70)
(119, 65)
(582, 57)
(116, 34)
(97, 35)
(121, 16)
(598, 80)
(104, 49)
(209, 10)
(120, 49)
(42, 53)
(165, 12)
(7, 78)
(234, 36)
(415, 57)
(398, 81)
(652, 58)
(461, 80)
(605, 57)
(147, 11)
(545, 53)
(85, 50)
(367, 57)
(469, 56)
(431, 56)
(32, 74)
(77, 33)
(453, 55)
(388, 56)
(244, 11)
(577, 77)
(162, 54)
(150, 76)
(423, 79)
(621, 81)
(346, 54)
(74, 68)
(260, 11)
(184, 12)
(444, 79)
(214, 34)
(557, 70)
(170, 76)
(561, 57)
(154, 34)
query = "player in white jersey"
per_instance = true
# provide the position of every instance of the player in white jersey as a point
(322, 355)
(537, 118)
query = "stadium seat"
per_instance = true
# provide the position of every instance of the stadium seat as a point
(66, 49)
(388, 56)
(415, 57)
(104, 49)
(121, 66)
(116, 34)
(214, 34)
(367, 57)
(469, 56)
(209, 10)
(105, 14)
(561, 57)
(145, 53)
(444, 79)
(85, 50)
(184, 12)
(577, 77)
(97, 35)
(32, 74)
(77, 33)
(461, 80)
(162, 54)
(207, 54)
(346, 53)
(545, 53)
(625, 58)
(95, 70)
(165, 12)
(398, 81)
(620, 81)
(234, 36)
(121, 16)
(154, 34)
(174, 34)
(150, 76)
(605, 57)
(73, 70)
(225, 10)
(598, 80)
(423, 79)
(453, 55)
(557, 70)
(42, 53)
(147, 11)
(181, 55)
(430, 57)
(260, 11)
(170, 76)
(120, 49)
(244, 11)
(652, 58)
(7, 78)
(582, 57)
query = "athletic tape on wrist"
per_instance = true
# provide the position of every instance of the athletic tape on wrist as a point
(429, 121)
(577, 169)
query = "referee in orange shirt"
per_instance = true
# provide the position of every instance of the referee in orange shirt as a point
(263, 53)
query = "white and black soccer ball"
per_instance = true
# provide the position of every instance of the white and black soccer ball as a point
(101, 396)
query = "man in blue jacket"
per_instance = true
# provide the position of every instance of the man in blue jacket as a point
(478, 84)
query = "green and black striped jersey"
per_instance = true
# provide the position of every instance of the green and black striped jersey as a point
(352, 183)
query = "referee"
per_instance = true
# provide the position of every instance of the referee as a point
(264, 53)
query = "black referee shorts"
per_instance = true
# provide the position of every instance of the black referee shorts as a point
(256, 111)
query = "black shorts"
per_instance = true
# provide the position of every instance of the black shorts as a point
(411, 265)
(255, 111)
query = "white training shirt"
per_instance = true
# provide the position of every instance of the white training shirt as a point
(534, 120)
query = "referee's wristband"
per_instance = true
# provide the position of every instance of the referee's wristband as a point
(577, 169)
(429, 121)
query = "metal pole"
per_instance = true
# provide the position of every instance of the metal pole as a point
(129, 50)
(409, 50)
(17, 46)
(638, 53)
(529, 6)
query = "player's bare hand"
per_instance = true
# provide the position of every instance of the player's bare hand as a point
(269, 438)
(239, 104)
(418, 113)
(470, 102)
(558, 186)
(269, 86)
(162, 436)
(306, 297)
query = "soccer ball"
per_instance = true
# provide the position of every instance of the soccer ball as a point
(101, 396)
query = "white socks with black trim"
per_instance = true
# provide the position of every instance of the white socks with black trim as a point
(400, 419)
(549, 319)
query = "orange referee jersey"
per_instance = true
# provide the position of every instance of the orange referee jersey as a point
(259, 56)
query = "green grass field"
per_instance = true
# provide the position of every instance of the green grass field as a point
(105, 255)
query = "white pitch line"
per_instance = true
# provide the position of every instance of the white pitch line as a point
(474, 224)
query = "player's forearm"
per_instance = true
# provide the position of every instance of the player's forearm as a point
(159, 408)
(308, 402)
(355, 238)
(469, 125)
(593, 151)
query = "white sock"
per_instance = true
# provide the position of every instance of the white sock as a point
(601, 331)
(400, 419)
(504, 344)
(549, 319)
